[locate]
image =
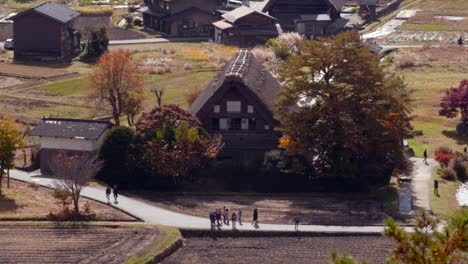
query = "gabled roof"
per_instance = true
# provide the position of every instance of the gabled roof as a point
(337, 4)
(241, 12)
(70, 128)
(55, 11)
(367, 2)
(246, 69)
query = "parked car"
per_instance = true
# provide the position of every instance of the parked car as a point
(233, 4)
(9, 44)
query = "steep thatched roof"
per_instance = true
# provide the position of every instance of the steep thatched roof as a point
(246, 69)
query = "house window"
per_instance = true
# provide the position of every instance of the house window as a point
(217, 109)
(188, 23)
(165, 4)
(233, 106)
(223, 124)
(235, 124)
(250, 109)
(252, 124)
(245, 124)
(215, 124)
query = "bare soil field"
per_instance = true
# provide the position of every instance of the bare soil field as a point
(74, 245)
(9, 81)
(282, 250)
(319, 209)
(26, 201)
(114, 33)
(31, 71)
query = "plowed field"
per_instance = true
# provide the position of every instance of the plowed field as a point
(68, 245)
(283, 250)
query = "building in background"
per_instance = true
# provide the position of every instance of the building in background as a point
(46, 33)
(71, 135)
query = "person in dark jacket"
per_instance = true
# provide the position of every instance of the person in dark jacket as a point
(425, 156)
(218, 217)
(116, 193)
(436, 187)
(108, 193)
(255, 217)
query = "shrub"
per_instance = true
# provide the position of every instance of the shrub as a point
(63, 197)
(114, 154)
(448, 174)
(280, 49)
(192, 95)
(293, 41)
(443, 155)
(460, 165)
(156, 65)
(93, 11)
(405, 60)
(97, 43)
(263, 55)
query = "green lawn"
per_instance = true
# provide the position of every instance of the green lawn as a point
(429, 85)
(68, 88)
(427, 27)
(445, 204)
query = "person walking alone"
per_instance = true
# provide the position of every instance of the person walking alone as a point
(460, 42)
(255, 217)
(425, 156)
(436, 187)
(108, 193)
(234, 220)
(297, 219)
(239, 216)
(116, 193)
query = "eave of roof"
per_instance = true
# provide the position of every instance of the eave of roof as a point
(54, 11)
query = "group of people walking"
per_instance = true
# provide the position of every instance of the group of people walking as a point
(230, 219)
(110, 190)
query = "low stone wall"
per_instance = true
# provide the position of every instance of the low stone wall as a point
(186, 233)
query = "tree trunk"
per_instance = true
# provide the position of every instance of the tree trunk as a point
(8, 178)
(76, 199)
(129, 120)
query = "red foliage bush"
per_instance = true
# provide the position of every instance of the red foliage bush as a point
(443, 155)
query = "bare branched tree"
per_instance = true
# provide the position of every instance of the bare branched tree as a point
(73, 172)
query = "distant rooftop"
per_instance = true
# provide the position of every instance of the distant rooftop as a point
(55, 11)
(70, 128)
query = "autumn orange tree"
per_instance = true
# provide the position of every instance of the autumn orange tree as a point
(11, 139)
(339, 108)
(117, 85)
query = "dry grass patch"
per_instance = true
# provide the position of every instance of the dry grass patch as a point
(29, 201)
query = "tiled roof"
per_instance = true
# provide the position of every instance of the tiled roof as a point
(70, 128)
(244, 68)
(57, 12)
(268, 3)
(241, 12)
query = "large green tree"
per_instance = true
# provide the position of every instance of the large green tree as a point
(348, 117)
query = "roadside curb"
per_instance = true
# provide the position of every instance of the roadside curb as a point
(186, 233)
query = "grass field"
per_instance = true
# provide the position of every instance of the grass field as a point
(435, 70)
(192, 66)
(445, 204)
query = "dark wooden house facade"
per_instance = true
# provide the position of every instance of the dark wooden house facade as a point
(244, 26)
(308, 17)
(239, 105)
(46, 32)
(181, 18)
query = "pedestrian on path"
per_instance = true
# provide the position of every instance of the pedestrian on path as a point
(255, 217)
(116, 193)
(239, 216)
(297, 219)
(425, 156)
(234, 220)
(226, 216)
(218, 217)
(465, 150)
(212, 220)
(436, 187)
(108, 193)
(460, 41)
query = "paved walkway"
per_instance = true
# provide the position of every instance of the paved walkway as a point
(159, 216)
(154, 40)
(421, 181)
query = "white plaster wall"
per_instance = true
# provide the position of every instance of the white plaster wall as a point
(68, 144)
